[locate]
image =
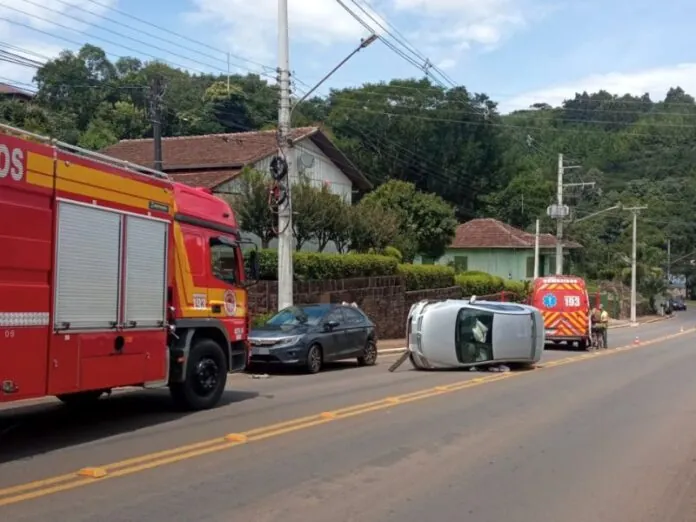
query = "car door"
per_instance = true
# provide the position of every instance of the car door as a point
(356, 332)
(334, 340)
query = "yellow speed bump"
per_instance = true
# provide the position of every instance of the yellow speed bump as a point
(95, 473)
(236, 437)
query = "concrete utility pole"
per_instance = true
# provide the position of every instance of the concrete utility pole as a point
(559, 211)
(536, 250)
(285, 151)
(635, 211)
(559, 223)
(157, 89)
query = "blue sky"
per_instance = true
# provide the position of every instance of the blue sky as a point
(517, 51)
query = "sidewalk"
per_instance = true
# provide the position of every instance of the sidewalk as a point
(399, 345)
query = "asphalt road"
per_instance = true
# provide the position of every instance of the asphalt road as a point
(606, 438)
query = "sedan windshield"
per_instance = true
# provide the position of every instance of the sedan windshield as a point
(473, 336)
(294, 316)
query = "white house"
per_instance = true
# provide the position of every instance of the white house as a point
(215, 161)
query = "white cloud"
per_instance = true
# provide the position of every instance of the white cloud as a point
(447, 63)
(252, 25)
(656, 82)
(440, 28)
(466, 22)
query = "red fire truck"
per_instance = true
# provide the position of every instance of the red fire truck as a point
(111, 276)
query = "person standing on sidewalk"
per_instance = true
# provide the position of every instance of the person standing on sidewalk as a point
(600, 321)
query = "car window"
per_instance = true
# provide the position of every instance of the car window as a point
(353, 317)
(335, 315)
(293, 316)
(474, 336)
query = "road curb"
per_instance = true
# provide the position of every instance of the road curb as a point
(389, 351)
(649, 321)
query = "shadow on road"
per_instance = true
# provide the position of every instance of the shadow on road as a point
(273, 369)
(562, 347)
(29, 431)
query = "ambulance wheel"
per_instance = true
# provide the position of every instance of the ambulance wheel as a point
(585, 346)
(81, 399)
(206, 377)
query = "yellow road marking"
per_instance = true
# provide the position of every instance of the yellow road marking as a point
(96, 474)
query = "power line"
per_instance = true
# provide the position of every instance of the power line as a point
(110, 42)
(165, 40)
(169, 31)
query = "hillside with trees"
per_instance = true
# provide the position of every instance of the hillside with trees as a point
(449, 142)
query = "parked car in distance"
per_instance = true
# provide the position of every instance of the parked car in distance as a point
(311, 335)
(466, 333)
(678, 303)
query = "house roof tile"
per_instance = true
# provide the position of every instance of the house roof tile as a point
(205, 178)
(10, 89)
(209, 155)
(491, 233)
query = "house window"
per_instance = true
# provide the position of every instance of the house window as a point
(552, 264)
(530, 267)
(461, 264)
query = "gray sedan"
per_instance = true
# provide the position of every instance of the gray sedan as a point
(465, 333)
(311, 335)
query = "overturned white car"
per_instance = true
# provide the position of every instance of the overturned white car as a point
(466, 333)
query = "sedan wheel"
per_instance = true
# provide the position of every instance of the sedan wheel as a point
(314, 359)
(369, 356)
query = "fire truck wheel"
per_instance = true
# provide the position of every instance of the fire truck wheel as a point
(206, 376)
(79, 399)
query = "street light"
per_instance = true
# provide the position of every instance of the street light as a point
(364, 42)
(285, 218)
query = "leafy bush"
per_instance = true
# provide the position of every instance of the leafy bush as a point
(516, 291)
(422, 277)
(479, 283)
(312, 265)
(260, 319)
(394, 252)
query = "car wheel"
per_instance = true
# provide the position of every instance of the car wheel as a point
(314, 359)
(369, 356)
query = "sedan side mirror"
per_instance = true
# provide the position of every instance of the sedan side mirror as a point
(330, 325)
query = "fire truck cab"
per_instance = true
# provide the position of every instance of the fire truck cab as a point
(112, 276)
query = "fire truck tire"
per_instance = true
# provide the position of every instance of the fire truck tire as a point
(206, 376)
(79, 399)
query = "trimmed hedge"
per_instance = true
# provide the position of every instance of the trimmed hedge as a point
(424, 277)
(320, 266)
(516, 291)
(479, 283)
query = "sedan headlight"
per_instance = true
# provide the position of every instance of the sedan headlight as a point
(286, 341)
(275, 342)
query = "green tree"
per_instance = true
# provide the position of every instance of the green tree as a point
(308, 212)
(252, 208)
(426, 221)
(372, 227)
